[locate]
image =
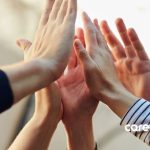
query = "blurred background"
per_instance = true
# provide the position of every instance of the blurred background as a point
(19, 18)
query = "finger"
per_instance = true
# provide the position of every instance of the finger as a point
(87, 63)
(71, 11)
(81, 52)
(46, 12)
(55, 9)
(80, 35)
(137, 44)
(122, 31)
(129, 50)
(97, 32)
(115, 46)
(96, 24)
(99, 36)
(24, 44)
(89, 32)
(72, 60)
(63, 11)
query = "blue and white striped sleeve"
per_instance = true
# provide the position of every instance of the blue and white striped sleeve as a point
(137, 120)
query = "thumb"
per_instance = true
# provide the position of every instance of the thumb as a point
(24, 44)
(81, 52)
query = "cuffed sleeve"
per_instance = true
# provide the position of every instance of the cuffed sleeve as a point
(136, 118)
(6, 94)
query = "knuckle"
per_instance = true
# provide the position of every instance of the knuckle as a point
(82, 53)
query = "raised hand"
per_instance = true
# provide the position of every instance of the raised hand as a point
(47, 57)
(131, 61)
(99, 69)
(54, 37)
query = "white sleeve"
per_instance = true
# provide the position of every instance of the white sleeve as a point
(137, 119)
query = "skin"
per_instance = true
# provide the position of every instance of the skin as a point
(99, 70)
(131, 61)
(78, 104)
(38, 132)
(42, 60)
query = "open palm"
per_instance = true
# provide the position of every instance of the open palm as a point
(131, 60)
(78, 103)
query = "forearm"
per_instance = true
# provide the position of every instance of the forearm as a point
(118, 99)
(26, 78)
(122, 102)
(80, 136)
(36, 135)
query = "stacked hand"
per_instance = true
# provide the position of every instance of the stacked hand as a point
(99, 69)
(78, 103)
(90, 76)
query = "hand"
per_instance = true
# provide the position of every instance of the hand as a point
(99, 69)
(78, 106)
(47, 58)
(48, 113)
(49, 48)
(131, 61)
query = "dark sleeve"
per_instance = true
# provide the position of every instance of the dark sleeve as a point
(6, 94)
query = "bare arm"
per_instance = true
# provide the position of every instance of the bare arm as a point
(38, 132)
(26, 78)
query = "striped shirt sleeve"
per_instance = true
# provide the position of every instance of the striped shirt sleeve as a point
(137, 120)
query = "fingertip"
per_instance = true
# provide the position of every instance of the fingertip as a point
(132, 34)
(86, 19)
(79, 31)
(84, 14)
(104, 27)
(23, 44)
(80, 35)
(120, 25)
(103, 23)
(95, 21)
(77, 44)
(118, 21)
(80, 50)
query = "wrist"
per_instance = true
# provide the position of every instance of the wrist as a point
(26, 77)
(48, 103)
(45, 121)
(120, 100)
(44, 69)
(80, 136)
